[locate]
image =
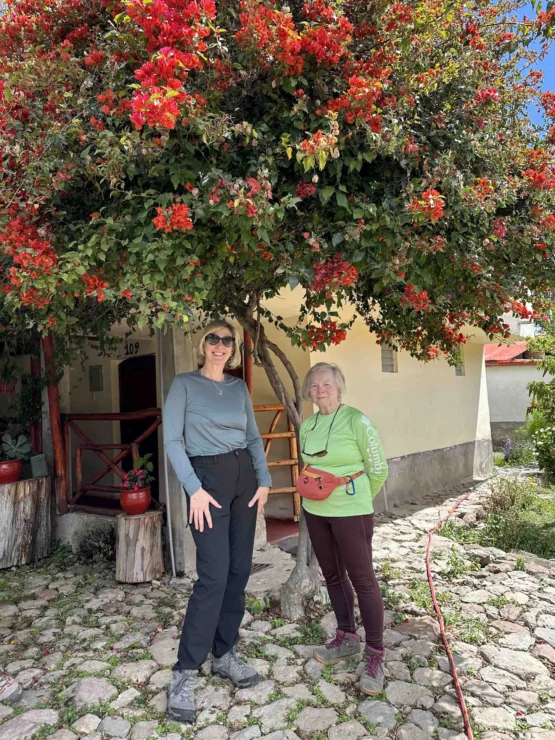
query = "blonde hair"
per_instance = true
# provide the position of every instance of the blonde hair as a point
(337, 376)
(237, 357)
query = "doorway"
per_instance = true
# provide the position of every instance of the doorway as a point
(137, 391)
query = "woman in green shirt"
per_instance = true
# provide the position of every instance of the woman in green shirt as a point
(341, 440)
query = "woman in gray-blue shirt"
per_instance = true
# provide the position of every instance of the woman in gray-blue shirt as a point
(225, 475)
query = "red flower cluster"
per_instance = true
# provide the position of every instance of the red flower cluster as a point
(168, 65)
(32, 297)
(173, 22)
(327, 43)
(94, 59)
(318, 337)
(160, 106)
(94, 283)
(430, 205)
(499, 228)
(113, 106)
(333, 275)
(305, 189)
(521, 310)
(23, 243)
(416, 301)
(360, 99)
(542, 178)
(174, 218)
(487, 95)
(271, 33)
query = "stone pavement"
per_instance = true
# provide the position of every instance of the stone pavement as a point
(94, 657)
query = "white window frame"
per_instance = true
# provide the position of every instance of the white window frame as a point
(389, 359)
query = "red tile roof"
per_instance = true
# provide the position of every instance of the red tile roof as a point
(504, 352)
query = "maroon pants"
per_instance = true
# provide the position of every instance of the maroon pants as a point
(343, 546)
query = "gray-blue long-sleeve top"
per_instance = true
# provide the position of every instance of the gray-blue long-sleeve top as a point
(210, 424)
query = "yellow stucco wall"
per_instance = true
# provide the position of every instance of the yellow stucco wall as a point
(421, 407)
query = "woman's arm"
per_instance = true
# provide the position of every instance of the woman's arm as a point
(373, 455)
(255, 446)
(173, 421)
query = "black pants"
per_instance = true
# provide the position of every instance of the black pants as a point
(343, 546)
(224, 559)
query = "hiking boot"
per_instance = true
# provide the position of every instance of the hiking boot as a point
(231, 666)
(344, 645)
(181, 699)
(372, 678)
(10, 690)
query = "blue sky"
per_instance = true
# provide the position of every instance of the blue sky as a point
(547, 65)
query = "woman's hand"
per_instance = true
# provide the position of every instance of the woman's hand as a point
(261, 496)
(199, 507)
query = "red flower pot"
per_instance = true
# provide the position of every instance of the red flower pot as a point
(10, 471)
(135, 502)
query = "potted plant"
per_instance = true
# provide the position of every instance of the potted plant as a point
(12, 452)
(135, 487)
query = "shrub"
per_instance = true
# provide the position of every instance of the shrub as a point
(520, 515)
(544, 444)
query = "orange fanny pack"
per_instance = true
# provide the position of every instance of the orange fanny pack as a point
(317, 485)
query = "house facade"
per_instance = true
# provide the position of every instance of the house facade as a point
(509, 370)
(433, 420)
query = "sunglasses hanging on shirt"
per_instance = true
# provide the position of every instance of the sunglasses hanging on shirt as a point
(324, 452)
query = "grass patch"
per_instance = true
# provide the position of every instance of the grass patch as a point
(520, 515)
(458, 533)
(465, 627)
(457, 566)
(313, 634)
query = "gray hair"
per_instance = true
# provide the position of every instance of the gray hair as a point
(338, 377)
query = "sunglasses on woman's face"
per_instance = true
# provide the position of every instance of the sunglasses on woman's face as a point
(214, 340)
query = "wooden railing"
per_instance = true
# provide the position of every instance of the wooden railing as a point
(292, 462)
(102, 490)
(111, 465)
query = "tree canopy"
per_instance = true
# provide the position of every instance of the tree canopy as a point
(162, 156)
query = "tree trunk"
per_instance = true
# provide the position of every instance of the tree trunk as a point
(25, 522)
(304, 581)
(139, 547)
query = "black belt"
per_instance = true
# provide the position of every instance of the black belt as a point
(215, 458)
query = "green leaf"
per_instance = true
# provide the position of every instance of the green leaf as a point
(341, 199)
(175, 180)
(326, 193)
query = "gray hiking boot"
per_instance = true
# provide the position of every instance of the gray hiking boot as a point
(232, 667)
(10, 690)
(372, 678)
(181, 696)
(344, 645)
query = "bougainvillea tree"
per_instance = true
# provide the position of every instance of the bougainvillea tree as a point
(163, 156)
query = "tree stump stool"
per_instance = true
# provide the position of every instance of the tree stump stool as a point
(25, 523)
(139, 547)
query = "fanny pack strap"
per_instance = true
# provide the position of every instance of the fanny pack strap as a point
(342, 480)
(348, 478)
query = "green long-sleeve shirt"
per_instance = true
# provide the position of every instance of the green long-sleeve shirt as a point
(353, 445)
